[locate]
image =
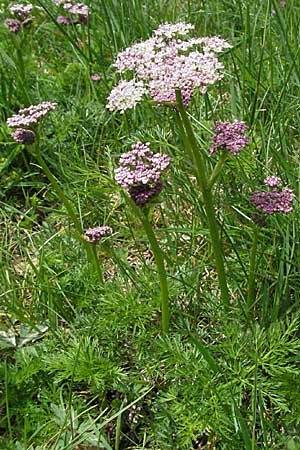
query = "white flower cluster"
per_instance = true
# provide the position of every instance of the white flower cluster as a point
(165, 62)
(21, 10)
(126, 95)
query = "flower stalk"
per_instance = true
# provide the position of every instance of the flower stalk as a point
(252, 271)
(160, 264)
(91, 251)
(205, 185)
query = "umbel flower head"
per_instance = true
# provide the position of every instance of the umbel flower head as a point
(93, 235)
(140, 172)
(20, 10)
(229, 136)
(274, 200)
(81, 10)
(30, 116)
(22, 18)
(13, 25)
(166, 62)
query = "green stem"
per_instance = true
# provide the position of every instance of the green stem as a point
(217, 169)
(191, 141)
(216, 244)
(21, 72)
(91, 251)
(252, 265)
(97, 264)
(187, 146)
(205, 185)
(59, 191)
(160, 264)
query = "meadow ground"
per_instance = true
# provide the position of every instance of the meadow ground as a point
(179, 329)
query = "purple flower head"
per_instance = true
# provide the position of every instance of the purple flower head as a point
(13, 25)
(140, 171)
(282, 4)
(229, 136)
(63, 20)
(76, 9)
(93, 235)
(272, 181)
(80, 9)
(140, 166)
(23, 136)
(96, 77)
(273, 201)
(30, 116)
(166, 62)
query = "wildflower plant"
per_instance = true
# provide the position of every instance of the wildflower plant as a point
(22, 17)
(170, 69)
(140, 174)
(103, 374)
(28, 119)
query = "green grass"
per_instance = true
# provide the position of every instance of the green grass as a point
(87, 365)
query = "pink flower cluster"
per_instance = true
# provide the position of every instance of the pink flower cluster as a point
(96, 77)
(273, 201)
(93, 235)
(140, 172)
(28, 117)
(272, 181)
(20, 10)
(140, 166)
(75, 9)
(22, 18)
(229, 136)
(165, 62)
(13, 25)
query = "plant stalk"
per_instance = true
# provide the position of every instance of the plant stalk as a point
(160, 264)
(91, 251)
(252, 266)
(205, 184)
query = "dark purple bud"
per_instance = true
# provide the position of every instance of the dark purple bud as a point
(143, 194)
(23, 136)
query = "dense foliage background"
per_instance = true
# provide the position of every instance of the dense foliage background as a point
(86, 367)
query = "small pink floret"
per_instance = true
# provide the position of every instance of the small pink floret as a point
(229, 136)
(272, 181)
